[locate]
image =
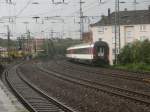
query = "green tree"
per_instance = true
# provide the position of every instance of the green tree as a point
(145, 52)
(57, 46)
(125, 55)
(137, 52)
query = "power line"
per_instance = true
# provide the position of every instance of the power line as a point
(28, 3)
(90, 6)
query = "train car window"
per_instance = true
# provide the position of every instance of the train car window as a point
(101, 51)
(82, 51)
(72, 51)
(90, 50)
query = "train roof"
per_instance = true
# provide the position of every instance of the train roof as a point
(83, 45)
(87, 45)
(102, 43)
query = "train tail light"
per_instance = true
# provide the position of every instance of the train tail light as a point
(94, 52)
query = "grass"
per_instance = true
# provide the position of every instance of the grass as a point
(134, 67)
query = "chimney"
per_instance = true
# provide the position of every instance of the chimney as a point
(109, 18)
(108, 12)
(125, 9)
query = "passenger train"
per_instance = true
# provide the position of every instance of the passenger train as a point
(93, 53)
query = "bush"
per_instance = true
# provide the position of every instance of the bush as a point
(134, 67)
(126, 55)
(137, 52)
(57, 47)
(145, 52)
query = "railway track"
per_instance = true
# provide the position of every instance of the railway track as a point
(34, 99)
(107, 72)
(133, 96)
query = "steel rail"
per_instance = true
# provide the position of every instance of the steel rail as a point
(116, 74)
(34, 99)
(124, 93)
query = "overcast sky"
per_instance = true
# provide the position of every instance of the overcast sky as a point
(62, 19)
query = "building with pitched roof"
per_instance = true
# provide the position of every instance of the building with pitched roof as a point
(134, 25)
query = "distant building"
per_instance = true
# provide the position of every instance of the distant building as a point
(39, 44)
(3, 52)
(87, 37)
(134, 25)
(32, 45)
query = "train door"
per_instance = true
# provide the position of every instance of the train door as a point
(101, 55)
(100, 51)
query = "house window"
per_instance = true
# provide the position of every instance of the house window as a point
(142, 38)
(113, 40)
(117, 51)
(113, 51)
(142, 27)
(113, 29)
(129, 34)
(101, 29)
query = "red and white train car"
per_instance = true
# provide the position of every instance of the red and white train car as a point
(97, 52)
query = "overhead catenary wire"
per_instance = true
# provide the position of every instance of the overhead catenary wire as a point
(28, 3)
(89, 6)
(73, 16)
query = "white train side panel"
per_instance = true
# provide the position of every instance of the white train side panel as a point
(97, 52)
(80, 56)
